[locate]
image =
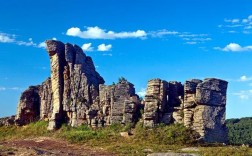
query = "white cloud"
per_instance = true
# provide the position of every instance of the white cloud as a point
(248, 27)
(2, 88)
(191, 42)
(15, 88)
(142, 92)
(98, 33)
(27, 43)
(10, 88)
(245, 78)
(6, 38)
(250, 17)
(234, 47)
(107, 54)
(244, 94)
(87, 47)
(237, 25)
(103, 47)
(163, 32)
(42, 45)
(190, 38)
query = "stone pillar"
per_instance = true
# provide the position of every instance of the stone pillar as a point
(210, 112)
(56, 50)
(155, 102)
(189, 100)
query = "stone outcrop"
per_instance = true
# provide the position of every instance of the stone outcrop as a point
(119, 102)
(35, 103)
(7, 121)
(75, 94)
(29, 106)
(198, 104)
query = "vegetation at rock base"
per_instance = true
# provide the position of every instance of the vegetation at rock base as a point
(143, 141)
(240, 131)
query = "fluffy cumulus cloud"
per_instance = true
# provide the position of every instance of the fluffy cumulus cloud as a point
(87, 47)
(245, 78)
(103, 47)
(234, 47)
(98, 33)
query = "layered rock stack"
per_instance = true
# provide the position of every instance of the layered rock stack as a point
(75, 94)
(119, 102)
(198, 104)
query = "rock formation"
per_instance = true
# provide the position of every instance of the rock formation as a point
(75, 94)
(75, 84)
(198, 104)
(7, 121)
(29, 106)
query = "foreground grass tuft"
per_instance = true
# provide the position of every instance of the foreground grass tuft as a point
(32, 130)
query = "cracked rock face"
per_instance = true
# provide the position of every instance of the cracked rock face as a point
(29, 106)
(198, 104)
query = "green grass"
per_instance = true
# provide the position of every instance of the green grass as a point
(31, 130)
(160, 139)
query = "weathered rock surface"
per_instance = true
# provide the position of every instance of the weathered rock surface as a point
(35, 103)
(198, 104)
(7, 121)
(29, 106)
(75, 94)
(119, 102)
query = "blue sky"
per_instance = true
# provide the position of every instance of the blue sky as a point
(137, 39)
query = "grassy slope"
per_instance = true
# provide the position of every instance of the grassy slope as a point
(160, 139)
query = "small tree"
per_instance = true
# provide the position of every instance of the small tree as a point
(121, 79)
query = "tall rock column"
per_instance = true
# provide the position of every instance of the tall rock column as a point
(155, 102)
(210, 112)
(56, 50)
(189, 100)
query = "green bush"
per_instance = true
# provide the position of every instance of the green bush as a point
(171, 134)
